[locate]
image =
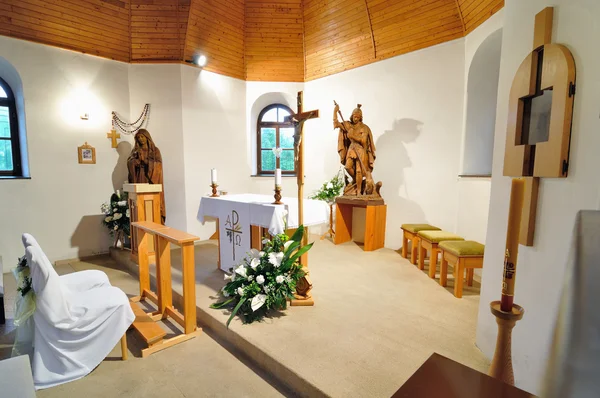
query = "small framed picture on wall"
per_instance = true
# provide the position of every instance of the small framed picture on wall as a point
(86, 154)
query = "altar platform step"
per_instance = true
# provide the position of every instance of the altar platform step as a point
(347, 344)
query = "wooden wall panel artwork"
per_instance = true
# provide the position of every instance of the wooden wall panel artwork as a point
(274, 41)
(97, 27)
(216, 29)
(263, 40)
(158, 29)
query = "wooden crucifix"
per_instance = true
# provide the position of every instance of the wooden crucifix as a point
(539, 121)
(298, 120)
(113, 135)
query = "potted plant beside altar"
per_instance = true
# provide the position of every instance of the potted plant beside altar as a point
(265, 280)
(116, 218)
(328, 192)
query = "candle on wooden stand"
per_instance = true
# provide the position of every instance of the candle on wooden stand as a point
(511, 252)
(277, 177)
(213, 176)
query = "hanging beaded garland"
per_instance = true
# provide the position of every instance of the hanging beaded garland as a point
(131, 128)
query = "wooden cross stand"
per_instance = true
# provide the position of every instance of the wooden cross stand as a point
(537, 145)
(298, 119)
(145, 323)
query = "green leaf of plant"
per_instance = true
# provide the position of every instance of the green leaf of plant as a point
(221, 304)
(298, 234)
(301, 252)
(235, 310)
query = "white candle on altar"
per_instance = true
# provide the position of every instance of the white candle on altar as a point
(277, 177)
(213, 176)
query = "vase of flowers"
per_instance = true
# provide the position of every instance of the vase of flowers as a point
(265, 280)
(328, 192)
(330, 189)
(116, 217)
(24, 309)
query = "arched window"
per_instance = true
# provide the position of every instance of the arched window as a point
(10, 152)
(272, 132)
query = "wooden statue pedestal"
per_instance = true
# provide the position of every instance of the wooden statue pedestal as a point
(144, 205)
(376, 211)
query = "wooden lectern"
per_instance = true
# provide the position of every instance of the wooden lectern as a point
(144, 205)
(375, 221)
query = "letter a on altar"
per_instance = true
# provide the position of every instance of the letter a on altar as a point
(228, 222)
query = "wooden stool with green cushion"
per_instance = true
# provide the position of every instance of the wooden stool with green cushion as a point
(429, 240)
(410, 232)
(462, 255)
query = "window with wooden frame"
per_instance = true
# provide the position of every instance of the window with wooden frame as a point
(10, 151)
(273, 132)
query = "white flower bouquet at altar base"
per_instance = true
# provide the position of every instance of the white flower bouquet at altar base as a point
(265, 280)
(116, 214)
(24, 309)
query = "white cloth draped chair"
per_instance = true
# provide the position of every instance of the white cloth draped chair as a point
(78, 320)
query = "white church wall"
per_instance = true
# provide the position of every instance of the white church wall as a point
(540, 269)
(214, 125)
(414, 106)
(474, 193)
(60, 204)
(160, 86)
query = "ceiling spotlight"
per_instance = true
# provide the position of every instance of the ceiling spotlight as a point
(201, 60)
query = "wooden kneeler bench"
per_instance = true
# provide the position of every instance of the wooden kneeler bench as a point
(145, 323)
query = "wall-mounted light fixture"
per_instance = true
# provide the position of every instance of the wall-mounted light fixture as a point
(198, 60)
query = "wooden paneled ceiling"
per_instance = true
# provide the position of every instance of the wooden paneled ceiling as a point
(265, 40)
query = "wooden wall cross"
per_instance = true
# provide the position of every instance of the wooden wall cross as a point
(298, 120)
(539, 118)
(113, 135)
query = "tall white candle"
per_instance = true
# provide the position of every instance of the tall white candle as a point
(278, 177)
(213, 176)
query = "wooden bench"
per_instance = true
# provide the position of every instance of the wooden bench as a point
(163, 238)
(429, 240)
(463, 255)
(410, 232)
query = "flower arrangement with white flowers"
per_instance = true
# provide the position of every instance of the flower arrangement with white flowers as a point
(330, 189)
(266, 279)
(116, 213)
(23, 277)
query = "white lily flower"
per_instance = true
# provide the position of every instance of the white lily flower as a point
(108, 219)
(275, 259)
(279, 279)
(253, 253)
(254, 263)
(117, 216)
(116, 227)
(240, 291)
(260, 279)
(122, 203)
(329, 185)
(265, 241)
(127, 214)
(227, 277)
(241, 270)
(287, 244)
(258, 301)
(261, 254)
(250, 278)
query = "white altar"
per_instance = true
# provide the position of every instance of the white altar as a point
(237, 213)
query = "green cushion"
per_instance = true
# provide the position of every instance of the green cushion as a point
(438, 236)
(414, 228)
(463, 248)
